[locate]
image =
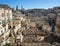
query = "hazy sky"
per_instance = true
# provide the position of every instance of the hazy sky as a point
(29, 4)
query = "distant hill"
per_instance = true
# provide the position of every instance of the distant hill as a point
(42, 12)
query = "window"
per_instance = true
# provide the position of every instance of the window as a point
(1, 31)
(5, 29)
(0, 22)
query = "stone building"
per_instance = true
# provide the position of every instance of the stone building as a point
(5, 17)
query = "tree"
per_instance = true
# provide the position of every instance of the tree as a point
(50, 38)
(16, 9)
(38, 27)
(9, 27)
(7, 44)
(13, 10)
(10, 35)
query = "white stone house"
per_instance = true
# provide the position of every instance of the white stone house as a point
(5, 17)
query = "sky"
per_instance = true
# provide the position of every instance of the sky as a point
(30, 4)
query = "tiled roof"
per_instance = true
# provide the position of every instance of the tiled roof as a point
(33, 32)
(4, 6)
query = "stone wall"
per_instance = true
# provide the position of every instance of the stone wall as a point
(58, 25)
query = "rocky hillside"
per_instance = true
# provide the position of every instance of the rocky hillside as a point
(42, 12)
